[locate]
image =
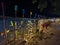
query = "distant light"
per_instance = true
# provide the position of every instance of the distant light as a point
(29, 21)
(12, 24)
(23, 10)
(2, 34)
(16, 7)
(31, 13)
(7, 31)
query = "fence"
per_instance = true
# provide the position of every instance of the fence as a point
(17, 29)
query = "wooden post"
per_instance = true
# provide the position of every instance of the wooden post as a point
(4, 23)
(16, 7)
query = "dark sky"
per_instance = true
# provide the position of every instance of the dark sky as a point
(27, 5)
(9, 7)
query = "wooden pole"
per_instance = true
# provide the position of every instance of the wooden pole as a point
(16, 7)
(4, 22)
(23, 24)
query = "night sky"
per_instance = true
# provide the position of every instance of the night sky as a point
(9, 8)
(28, 6)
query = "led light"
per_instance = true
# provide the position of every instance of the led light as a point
(2, 34)
(7, 31)
(16, 7)
(12, 24)
(30, 13)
